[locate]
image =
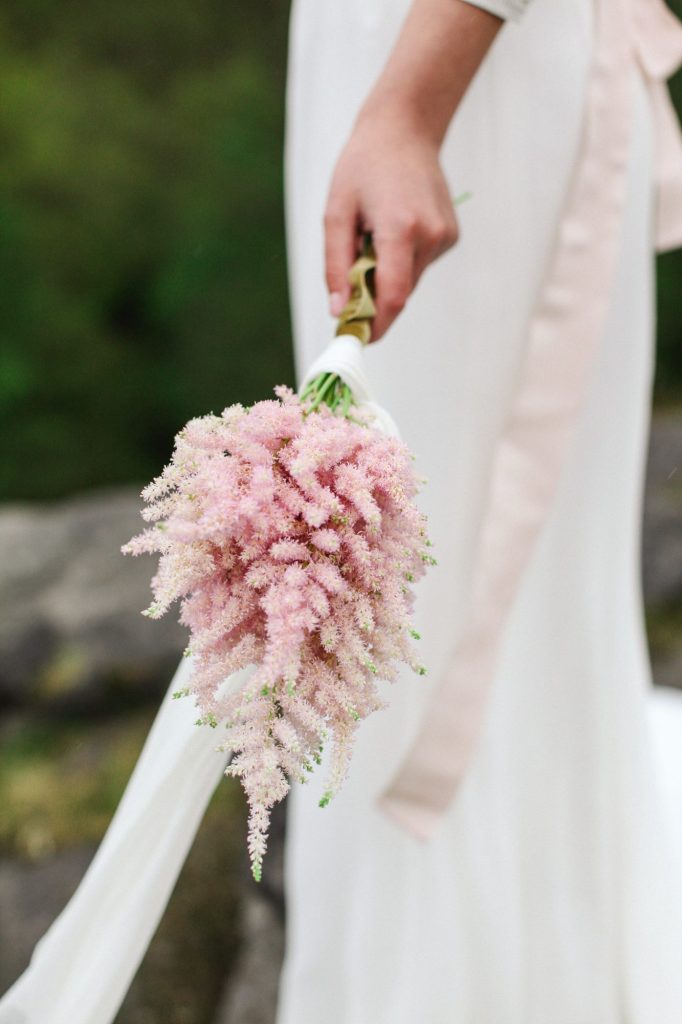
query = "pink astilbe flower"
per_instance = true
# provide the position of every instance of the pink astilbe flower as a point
(291, 539)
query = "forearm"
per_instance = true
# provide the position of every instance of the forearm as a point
(388, 178)
(440, 46)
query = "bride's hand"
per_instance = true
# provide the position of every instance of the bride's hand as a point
(388, 180)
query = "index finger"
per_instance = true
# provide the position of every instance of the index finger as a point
(393, 278)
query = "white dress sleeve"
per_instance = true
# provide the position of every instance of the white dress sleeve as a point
(510, 10)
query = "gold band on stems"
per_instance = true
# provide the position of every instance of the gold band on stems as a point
(356, 316)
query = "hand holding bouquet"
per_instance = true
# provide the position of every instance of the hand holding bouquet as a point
(289, 533)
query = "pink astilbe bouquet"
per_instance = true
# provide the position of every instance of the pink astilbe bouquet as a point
(290, 535)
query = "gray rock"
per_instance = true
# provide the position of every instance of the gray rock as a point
(662, 530)
(72, 601)
(667, 669)
(31, 896)
(250, 996)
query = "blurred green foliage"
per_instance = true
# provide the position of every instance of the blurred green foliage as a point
(141, 236)
(141, 232)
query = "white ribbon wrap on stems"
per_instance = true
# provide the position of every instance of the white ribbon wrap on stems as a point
(345, 357)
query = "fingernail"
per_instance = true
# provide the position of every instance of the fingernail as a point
(335, 303)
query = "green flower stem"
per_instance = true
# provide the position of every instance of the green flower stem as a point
(330, 389)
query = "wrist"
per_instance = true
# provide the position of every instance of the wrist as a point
(398, 112)
(439, 49)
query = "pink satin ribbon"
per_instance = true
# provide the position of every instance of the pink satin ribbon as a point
(564, 336)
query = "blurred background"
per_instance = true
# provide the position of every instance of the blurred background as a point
(142, 267)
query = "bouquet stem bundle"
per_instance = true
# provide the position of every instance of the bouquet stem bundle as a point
(290, 535)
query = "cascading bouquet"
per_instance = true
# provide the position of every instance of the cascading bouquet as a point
(290, 534)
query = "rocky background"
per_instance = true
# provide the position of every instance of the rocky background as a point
(81, 675)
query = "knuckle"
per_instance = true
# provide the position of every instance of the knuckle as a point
(452, 236)
(407, 225)
(334, 217)
(441, 235)
(434, 236)
(394, 301)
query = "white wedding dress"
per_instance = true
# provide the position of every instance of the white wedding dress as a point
(551, 893)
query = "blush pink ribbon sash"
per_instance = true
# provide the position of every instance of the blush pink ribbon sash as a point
(564, 336)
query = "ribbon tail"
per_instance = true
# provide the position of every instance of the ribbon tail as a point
(418, 797)
(657, 43)
(564, 337)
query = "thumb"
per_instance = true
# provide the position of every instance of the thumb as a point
(340, 232)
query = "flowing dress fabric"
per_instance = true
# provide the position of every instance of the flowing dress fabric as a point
(82, 967)
(552, 891)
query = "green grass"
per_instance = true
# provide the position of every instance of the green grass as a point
(60, 783)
